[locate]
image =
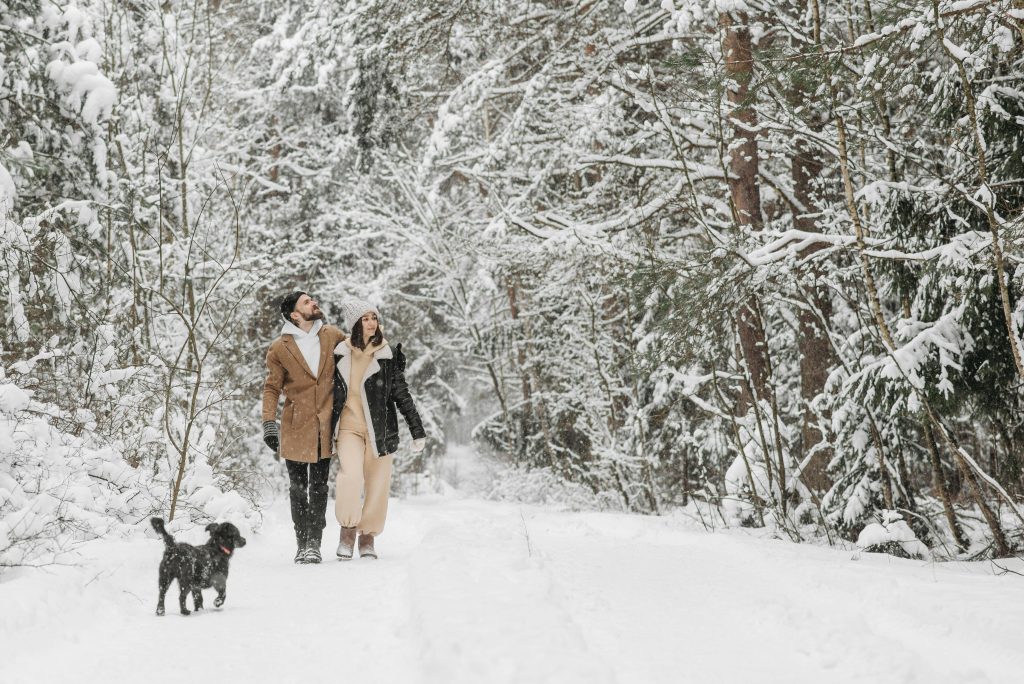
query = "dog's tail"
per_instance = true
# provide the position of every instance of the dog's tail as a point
(158, 525)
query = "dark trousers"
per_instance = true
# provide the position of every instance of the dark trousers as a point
(308, 494)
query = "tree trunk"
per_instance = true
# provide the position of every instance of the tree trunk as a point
(744, 189)
(941, 488)
(813, 343)
(526, 422)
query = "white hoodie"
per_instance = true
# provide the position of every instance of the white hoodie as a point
(308, 343)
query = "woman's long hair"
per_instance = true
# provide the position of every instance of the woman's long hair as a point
(357, 335)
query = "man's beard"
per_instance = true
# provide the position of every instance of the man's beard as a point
(317, 315)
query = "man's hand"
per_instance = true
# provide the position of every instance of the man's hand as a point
(418, 445)
(271, 435)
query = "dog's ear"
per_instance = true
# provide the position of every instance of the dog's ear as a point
(212, 527)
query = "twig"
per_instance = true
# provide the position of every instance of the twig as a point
(526, 533)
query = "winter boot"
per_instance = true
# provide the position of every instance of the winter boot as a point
(302, 541)
(346, 542)
(313, 547)
(366, 549)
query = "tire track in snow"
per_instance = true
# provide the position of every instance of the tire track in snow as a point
(484, 610)
(716, 607)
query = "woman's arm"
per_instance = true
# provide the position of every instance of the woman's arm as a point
(403, 399)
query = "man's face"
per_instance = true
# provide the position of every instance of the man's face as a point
(306, 309)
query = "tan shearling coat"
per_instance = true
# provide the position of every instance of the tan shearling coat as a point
(308, 400)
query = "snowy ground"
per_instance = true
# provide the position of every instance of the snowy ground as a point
(472, 591)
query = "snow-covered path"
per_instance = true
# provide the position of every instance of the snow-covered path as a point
(471, 591)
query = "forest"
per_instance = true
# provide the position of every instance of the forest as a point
(755, 259)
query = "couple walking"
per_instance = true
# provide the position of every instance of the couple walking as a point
(342, 393)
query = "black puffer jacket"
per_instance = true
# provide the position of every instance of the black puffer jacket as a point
(385, 393)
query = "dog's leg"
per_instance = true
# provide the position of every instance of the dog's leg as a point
(220, 583)
(163, 583)
(197, 598)
(182, 595)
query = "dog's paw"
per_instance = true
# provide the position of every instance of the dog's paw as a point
(186, 611)
(160, 610)
(218, 602)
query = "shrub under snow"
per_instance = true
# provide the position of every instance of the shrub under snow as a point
(892, 535)
(58, 488)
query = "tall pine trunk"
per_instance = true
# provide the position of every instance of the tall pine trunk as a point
(744, 189)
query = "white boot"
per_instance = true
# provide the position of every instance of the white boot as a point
(346, 542)
(366, 549)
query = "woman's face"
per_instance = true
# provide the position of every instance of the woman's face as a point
(369, 325)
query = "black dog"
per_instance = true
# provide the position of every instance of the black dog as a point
(197, 567)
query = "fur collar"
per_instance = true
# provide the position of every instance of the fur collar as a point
(344, 350)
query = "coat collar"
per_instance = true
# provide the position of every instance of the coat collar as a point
(293, 348)
(344, 365)
(325, 354)
(344, 350)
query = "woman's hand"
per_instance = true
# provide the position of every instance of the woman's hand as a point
(418, 445)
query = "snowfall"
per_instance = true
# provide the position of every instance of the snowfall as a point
(472, 590)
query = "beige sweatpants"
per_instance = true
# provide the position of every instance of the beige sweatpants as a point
(360, 471)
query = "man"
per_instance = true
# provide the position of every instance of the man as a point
(300, 363)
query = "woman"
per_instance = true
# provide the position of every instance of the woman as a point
(369, 387)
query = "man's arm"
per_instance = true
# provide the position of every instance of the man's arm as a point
(271, 394)
(272, 386)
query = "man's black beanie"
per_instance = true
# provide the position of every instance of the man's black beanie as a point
(288, 304)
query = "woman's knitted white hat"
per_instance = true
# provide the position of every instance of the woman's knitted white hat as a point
(353, 309)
